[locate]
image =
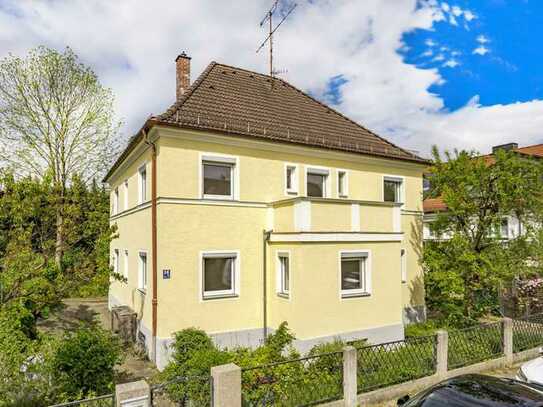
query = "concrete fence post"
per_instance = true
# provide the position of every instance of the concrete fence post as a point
(350, 376)
(133, 394)
(226, 385)
(507, 332)
(442, 353)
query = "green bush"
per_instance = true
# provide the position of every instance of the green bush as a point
(83, 362)
(422, 329)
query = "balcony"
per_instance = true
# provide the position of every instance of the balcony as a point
(321, 216)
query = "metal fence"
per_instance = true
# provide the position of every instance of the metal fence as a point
(193, 391)
(527, 333)
(395, 362)
(107, 400)
(300, 382)
(475, 344)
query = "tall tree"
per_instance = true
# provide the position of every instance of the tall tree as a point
(55, 118)
(466, 269)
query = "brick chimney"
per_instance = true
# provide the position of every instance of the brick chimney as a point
(182, 74)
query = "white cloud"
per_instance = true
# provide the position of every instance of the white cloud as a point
(430, 43)
(427, 53)
(445, 7)
(481, 50)
(457, 11)
(481, 39)
(468, 15)
(451, 63)
(132, 47)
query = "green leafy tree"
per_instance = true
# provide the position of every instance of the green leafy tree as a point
(56, 120)
(83, 363)
(465, 270)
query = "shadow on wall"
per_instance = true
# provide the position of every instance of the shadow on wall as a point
(416, 285)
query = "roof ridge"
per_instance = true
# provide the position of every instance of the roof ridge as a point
(178, 103)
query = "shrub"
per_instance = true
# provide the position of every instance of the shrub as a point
(83, 362)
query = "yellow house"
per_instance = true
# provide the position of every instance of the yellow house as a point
(249, 203)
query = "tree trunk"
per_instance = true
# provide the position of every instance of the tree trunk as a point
(59, 243)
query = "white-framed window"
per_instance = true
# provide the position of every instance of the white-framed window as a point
(125, 268)
(403, 265)
(393, 189)
(317, 182)
(219, 177)
(116, 200)
(115, 261)
(342, 183)
(142, 184)
(142, 270)
(283, 273)
(125, 193)
(291, 179)
(220, 274)
(355, 273)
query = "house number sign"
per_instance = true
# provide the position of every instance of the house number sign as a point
(166, 274)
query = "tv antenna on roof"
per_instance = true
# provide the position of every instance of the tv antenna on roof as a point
(269, 18)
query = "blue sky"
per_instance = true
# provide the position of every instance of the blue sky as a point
(511, 67)
(454, 73)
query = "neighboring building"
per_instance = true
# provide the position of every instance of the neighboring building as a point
(249, 203)
(510, 226)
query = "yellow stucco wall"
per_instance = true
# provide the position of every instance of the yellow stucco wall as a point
(188, 226)
(315, 307)
(330, 217)
(134, 235)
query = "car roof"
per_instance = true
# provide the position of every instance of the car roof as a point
(480, 390)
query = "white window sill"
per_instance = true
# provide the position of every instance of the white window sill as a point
(142, 291)
(355, 294)
(292, 192)
(283, 295)
(218, 296)
(219, 197)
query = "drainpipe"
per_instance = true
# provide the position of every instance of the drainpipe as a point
(154, 300)
(265, 240)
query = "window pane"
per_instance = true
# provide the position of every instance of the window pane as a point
(504, 228)
(218, 274)
(391, 191)
(284, 274)
(217, 179)
(315, 185)
(341, 183)
(351, 278)
(290, 172)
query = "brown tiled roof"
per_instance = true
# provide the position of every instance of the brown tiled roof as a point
(238, 101)
(433, 205)
(235, 101)
(535, 150)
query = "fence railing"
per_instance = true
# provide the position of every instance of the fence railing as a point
(527, 333)
(395, 362)
(346, 375)
(107, 400)
(300, 382)
(475, 344)
(194, 391)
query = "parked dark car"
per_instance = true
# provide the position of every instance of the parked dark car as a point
(477, 390)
